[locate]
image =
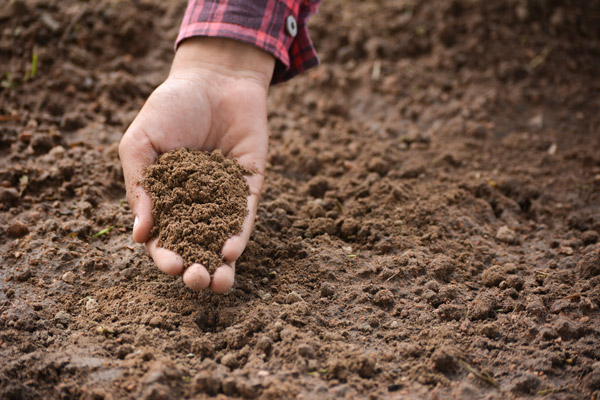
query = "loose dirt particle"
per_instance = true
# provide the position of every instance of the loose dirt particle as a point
(199, 201)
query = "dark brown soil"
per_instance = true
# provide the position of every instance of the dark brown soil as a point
(428, 228)
(198, 202)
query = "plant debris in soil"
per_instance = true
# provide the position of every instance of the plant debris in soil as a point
(199, 201)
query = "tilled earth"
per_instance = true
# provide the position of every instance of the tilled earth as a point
(428, 228)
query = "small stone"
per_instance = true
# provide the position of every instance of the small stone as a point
(17, 229)
(306, 351)
(293, 297)
(62, 317)
(506, 235)
(155, 321)
(68, 277)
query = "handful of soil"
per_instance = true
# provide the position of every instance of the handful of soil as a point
(199, 201)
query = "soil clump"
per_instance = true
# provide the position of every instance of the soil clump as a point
(198, 202)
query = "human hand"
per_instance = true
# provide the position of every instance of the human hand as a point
(214, 98)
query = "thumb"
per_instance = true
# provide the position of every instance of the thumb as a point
(136, 153)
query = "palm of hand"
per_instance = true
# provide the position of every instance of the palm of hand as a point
(201, 111)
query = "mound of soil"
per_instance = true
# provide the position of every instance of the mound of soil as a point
(198, 202)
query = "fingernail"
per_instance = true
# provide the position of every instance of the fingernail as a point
(135, 222)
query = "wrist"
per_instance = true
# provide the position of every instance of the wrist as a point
(223, 56)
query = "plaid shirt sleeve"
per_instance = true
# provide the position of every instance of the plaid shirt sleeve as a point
(261, 23)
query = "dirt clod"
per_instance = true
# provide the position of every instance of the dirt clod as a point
(527, 383)
(17, 229)
(384, 298)
(443, 360)
(506, 235)
(306, 351)
(62, 317)
(293, 297)
(492, 276)
(199, 201)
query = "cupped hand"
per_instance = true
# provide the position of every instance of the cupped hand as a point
(214, 98)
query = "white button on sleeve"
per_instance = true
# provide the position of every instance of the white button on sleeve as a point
(291, 26)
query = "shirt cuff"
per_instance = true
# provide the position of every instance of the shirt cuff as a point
(263, 24)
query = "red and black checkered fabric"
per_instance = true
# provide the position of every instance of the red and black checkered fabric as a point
(261, 23)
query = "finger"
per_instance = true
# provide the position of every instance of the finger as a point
(166, 260)
(196, 277)
(142, 214)
(235, 245)
(136, 153)
(223, 278)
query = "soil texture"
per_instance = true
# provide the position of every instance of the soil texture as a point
(429, 225)
(198, 202)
